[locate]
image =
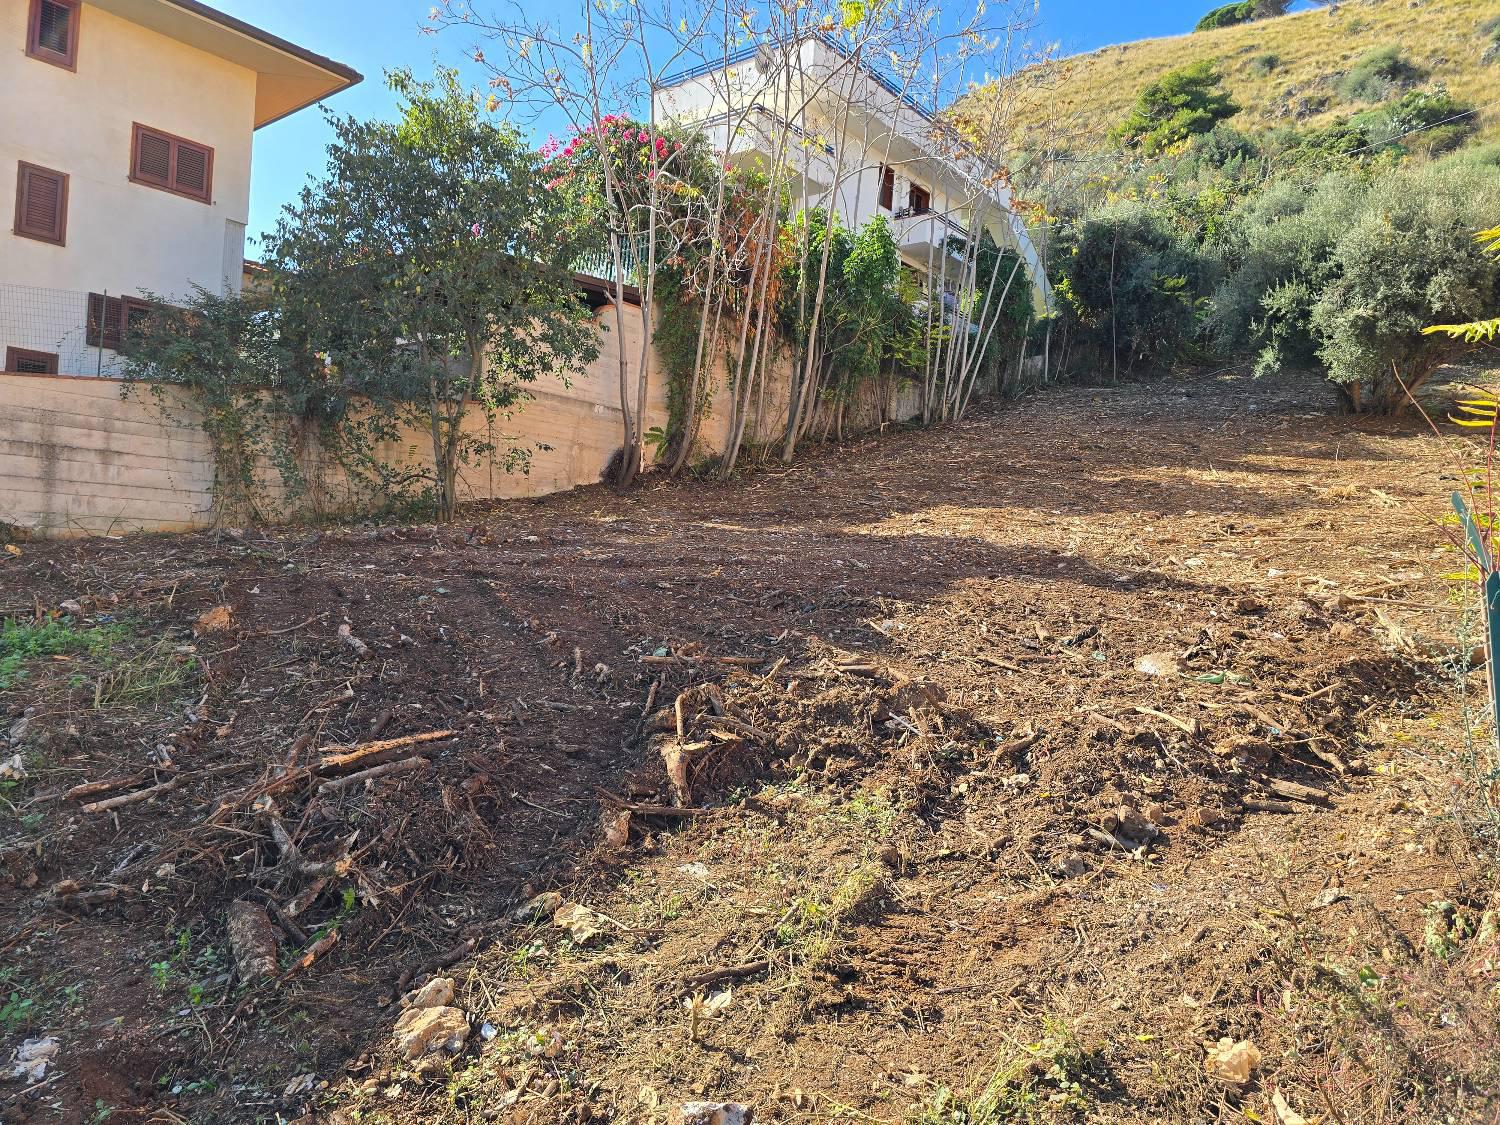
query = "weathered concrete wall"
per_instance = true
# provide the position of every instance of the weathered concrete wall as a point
(77, 458)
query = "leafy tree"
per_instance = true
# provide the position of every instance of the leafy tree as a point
(1128, 282)
(431, 266)
(1408, 260)
(1227, 16)
(1177, 106)
(863, 314)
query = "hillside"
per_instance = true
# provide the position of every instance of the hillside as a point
(1279, 71)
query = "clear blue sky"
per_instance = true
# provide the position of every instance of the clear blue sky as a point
(376, 35)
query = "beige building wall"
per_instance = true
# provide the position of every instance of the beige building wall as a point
(77, 457)
(121, 236)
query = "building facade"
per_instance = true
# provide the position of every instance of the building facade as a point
(852, 139)
(125, 144)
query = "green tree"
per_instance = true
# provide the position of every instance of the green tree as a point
(1407, 261)
(431, 265)
(1177, 106)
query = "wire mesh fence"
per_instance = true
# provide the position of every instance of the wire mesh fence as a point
(63, 331)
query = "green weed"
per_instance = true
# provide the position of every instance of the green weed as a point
(23, 641)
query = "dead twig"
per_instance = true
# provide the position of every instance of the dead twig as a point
(405, 765)
(645, 810)
(131, 798)
(731, 972)
(337, 757)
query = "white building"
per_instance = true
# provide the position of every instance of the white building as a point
(856, 140)
(125, 139)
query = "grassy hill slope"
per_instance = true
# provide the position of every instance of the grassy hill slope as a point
(1280, 71)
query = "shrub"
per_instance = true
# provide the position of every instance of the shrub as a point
(1264, 65)
(1427, 122)
(1227, 16)
(1407, 260)
(1378, 75)
(1128, 284)
(1180, 105)
(1275, 261)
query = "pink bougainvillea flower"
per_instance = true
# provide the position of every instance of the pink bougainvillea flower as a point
(474, 230)
(677, 147)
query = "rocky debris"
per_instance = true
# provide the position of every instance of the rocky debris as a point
(252, 940)
(436, 993)
(13, 768)
(32, 1059)
(714, 1113)
(543, 904)
(1128, 821)
(424, 1031)
(430, 1024)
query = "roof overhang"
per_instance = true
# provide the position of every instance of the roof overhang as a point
(288, 77)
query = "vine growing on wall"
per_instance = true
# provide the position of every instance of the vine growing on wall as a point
(271, 415)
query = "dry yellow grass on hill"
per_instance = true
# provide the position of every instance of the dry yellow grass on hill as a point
(1072, 103)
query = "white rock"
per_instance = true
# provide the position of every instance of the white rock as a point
(421, 1031)
(715, 1113)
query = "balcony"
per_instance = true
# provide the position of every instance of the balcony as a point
(923, 235)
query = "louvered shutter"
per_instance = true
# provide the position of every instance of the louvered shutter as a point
(172, 164)
(106, 321)
(52, 32)
(54, 24)
(190, 173)
(153, 158)
(41, 203)
(24, 361)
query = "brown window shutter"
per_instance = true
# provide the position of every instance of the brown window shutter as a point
(153, 158)
(106, 322)
(52, 32)
(887, 187)
(171, 163)
(190, 173)
(25, 361)
(41, 203)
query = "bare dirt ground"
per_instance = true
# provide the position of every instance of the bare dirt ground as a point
(986, 775)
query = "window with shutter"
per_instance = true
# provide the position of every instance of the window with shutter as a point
(41, 204)
(887, 187)
(170, 163)
(52, 32)
(112, 319)
(24, 361)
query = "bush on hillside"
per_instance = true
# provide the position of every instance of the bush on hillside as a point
(1263, 66)
(1179, 105)
(1227, 16)
(1378, 75)
(1346, 271)
(1275, 261)
(1426, 122)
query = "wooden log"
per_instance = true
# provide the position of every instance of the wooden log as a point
(731, 972)
(251, 940)
(94, 788)
(1294, 791)
(131, 798)
(337, 758)
(405, 765)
